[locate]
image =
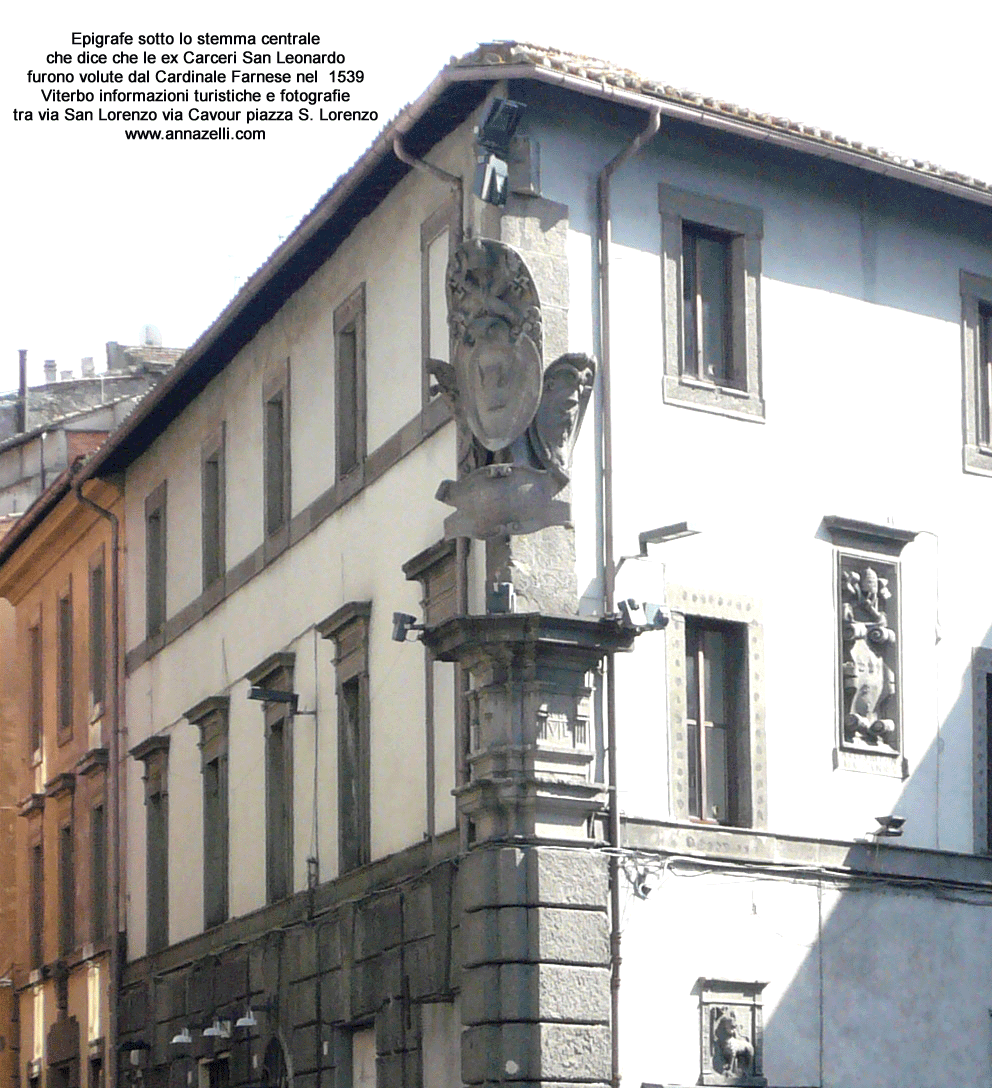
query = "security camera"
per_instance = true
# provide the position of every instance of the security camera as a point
(403, 624)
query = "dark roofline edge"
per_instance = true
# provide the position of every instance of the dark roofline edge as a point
(410, 115)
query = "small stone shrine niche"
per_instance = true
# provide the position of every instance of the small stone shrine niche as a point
(731, 1032)
(869, 644)
(523, 419)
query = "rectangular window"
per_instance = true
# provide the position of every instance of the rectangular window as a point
(35, 693)
(349, 383)
(277, 480)
(65, 693)
(353, 775)
(985, 376)
(98, 635)
(211, 716)
(37, 905)
(706, 310)
(278, 817)
(711, 273)
(157, 870)
(349, 627)
(213, 510)
(976, 341)
(98, 874)
(713, 719)
(67, 891)
(154, 754)
(716, 710)
(155, 561)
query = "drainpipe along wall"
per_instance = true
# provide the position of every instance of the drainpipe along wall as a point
(113, 665)
(604, 230)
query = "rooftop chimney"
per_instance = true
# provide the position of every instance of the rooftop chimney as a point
(151, 337)
(22, 392)
(50, 371)
(65, 375)
(88, 369)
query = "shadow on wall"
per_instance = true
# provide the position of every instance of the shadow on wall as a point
(897, 987)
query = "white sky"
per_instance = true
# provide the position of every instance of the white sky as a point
(104, 235)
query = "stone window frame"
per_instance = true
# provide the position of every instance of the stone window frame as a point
(277, 672)
(153, 752)
(350, 319)
(446, 218)
(976, 296)
(349, 626)
(211, 717)
(436, 569)
(746, 997)
(745, 226)
(277, 506)
(862, 541)
(736, 609)
(981, 670)
(213, 529)
(157, 565)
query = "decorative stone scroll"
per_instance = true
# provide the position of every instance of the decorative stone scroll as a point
(523, 419)
(731, 1033)
(869, 654)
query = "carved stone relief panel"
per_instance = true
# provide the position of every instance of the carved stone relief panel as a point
(868, 621)
(731, 1032)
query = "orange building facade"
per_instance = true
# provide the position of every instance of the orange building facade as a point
(57, 571)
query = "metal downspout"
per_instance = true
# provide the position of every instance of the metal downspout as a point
(603, 269)
(113, 785)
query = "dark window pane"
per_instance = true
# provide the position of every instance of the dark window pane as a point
(155, 569)
(215, 842)
(67, 891)
(277, 813)
(157, 871)
(706, 304)
(275, 465)
(352, 784)
(716, 774)
(212, 521)
(715, 669)
(347, 422)
(695, 794)
(98, 659)
(65, 664)
(98, 873)
(37, 905)
(985, 377)
(35, 695)
(711, 264)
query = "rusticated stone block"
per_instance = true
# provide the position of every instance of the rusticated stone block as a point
(334, 998)
(535, 1052)
(536, 992)
(527, 935)
(329, 944)
(303, 1002)
(378, 925)
(418, 913)
(533, 876)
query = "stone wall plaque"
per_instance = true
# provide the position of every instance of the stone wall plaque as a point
(731, 1031)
